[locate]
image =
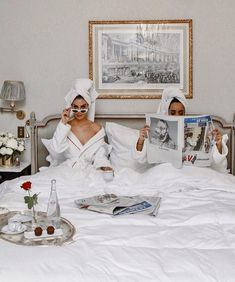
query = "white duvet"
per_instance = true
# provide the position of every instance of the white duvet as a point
(191, 239)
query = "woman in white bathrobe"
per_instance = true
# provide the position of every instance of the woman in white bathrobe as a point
(174, 103)
(77, 137)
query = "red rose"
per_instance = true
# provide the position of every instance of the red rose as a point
(26, 185)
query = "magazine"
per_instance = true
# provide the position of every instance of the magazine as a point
(180, 139)
(120, 205)
(198, 140)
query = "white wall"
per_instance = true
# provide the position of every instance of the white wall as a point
(45, 44)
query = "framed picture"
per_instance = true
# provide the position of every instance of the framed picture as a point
(138, 59)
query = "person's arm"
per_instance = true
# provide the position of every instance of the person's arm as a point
(142, 135)
(138, 149)
(101, 159)
(218, 139)
(219, 160)
(59, 140)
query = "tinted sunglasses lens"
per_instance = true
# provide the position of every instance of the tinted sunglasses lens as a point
(75, 110)
(83, 111)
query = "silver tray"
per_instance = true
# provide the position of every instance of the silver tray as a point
(19, 239)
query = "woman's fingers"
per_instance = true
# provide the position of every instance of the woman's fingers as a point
(65, 115)
(217, 134)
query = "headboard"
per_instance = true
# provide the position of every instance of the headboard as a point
(46, 128)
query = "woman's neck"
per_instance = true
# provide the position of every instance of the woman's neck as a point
(81, 122)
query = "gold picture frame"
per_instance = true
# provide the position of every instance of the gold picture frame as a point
(138, 59)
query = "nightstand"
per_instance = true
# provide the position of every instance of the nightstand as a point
(13, 172)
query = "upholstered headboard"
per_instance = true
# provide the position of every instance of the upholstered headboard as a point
(46, 128)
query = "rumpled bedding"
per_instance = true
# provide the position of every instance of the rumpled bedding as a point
(191, 239)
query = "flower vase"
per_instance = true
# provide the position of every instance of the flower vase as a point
(7, 161)
(34, 218)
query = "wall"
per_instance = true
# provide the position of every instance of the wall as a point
(45, 44)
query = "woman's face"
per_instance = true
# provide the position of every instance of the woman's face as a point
(176, 109)
(161, 130)
(82, 106)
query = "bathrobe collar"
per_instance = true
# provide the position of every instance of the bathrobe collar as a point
(76, 142)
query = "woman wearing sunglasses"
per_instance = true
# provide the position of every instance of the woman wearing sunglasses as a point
(77, 136)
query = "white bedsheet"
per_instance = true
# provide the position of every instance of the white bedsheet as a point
(191, 239)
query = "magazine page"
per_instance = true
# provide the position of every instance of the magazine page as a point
(119, 205)
(113, 207)
(166, 139)
(144, 205)
(99, 200)
(198, 140)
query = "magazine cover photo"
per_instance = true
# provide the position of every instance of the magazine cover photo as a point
(198, 140)
(165, 142)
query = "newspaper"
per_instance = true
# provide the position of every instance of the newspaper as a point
(180, 139)
(120, 205)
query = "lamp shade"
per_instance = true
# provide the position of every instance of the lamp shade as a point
(13, 90)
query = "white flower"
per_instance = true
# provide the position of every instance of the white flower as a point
(20, 148)
(9, 144)
(10, 135)
(12, 143)
(9, 151)
(6, 151)
(4, 140)
(3, 151)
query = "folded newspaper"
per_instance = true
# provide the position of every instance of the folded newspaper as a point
(120, 205)
(180, 139)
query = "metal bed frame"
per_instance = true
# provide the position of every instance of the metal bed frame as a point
(131, 120)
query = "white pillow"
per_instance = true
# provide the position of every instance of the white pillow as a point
(123, 139)
(53, 158)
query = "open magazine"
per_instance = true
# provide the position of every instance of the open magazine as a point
(120, 205)
(180, 139)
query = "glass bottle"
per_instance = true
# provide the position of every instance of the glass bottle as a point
(53, 207)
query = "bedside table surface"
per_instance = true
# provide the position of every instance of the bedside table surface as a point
(22, 166)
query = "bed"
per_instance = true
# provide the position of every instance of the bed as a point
(191, 239)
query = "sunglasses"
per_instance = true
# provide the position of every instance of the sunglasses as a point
(82, 111)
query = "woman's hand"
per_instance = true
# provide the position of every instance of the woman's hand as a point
(143, 134)
(65, 116)
(218, 139)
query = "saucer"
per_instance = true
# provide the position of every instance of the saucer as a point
(22, 217)
(5, 230)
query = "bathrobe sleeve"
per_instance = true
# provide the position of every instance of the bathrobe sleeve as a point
(101, 158)
(59, 140)
(219, 161)
(139, 156)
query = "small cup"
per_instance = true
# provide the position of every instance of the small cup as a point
(108, 175)
(14, 225)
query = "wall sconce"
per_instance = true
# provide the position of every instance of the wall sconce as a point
(13, 91)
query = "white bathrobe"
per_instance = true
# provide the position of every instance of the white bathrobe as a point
(218, 162)
(93, 153)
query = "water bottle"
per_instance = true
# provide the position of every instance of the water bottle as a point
(53, 207)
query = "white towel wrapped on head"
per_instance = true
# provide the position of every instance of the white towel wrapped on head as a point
(85, 88)
(168, 95)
